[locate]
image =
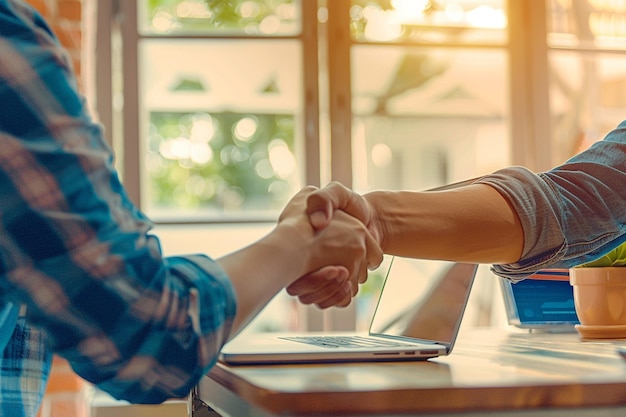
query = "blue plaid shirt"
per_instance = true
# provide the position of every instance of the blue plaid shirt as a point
(24, 369)
(78, 254)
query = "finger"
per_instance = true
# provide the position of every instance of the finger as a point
(360, 276)
(363, 274)
(320, 292)
(313, 281)
(316, 280)
(323, 202)
(328, 296)
(338, 299)
(367, 254)
(325, 288)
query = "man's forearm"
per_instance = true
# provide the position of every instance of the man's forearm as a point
(473, 223)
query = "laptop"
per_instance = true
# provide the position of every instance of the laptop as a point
(544, 301)
(417, 317)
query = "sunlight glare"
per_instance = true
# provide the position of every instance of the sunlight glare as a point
(193, 9)
(163, 22)
(381, 25)
(201, 153)
(381, 155)
(282, 160)
(409, 9)
(486, 17)
(270, 25)
(246, 128)
(287, 11)
(202, 130)
(249, 9)
(454, 12)
(178, 148)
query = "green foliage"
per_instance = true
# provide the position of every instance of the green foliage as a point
(239, 174)
(236, 173)
(222, 15)
(616, 257)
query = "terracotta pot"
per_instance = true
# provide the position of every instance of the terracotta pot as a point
(600, 295)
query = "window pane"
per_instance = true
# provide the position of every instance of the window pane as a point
(425, 117)
(222, 127)
(445, 21)
(587, 98)
(587, 85)
(249, 17)
(587, 24)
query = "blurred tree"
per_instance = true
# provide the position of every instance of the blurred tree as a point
(225, 172)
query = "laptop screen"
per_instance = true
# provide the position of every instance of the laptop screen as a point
(543, 301)
(423, 299)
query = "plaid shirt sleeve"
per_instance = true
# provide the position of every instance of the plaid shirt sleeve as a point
(75, 250)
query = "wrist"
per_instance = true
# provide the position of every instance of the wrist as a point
(293, 240)
(377, 222)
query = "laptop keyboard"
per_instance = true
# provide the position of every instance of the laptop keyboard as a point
(345, 341)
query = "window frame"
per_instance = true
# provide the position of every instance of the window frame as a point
(527, 51)
(121, 17)
(529, 102)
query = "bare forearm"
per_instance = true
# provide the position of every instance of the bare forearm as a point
(259, 271)
(474, 223)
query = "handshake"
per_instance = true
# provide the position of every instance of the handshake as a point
(338, 236)
(335, 234)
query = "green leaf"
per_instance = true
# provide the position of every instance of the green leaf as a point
(616, 257)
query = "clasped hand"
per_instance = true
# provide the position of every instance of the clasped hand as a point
(349, 246)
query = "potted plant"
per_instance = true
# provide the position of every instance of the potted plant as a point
(600, 295)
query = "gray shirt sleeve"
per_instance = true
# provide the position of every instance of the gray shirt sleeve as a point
(571, 214)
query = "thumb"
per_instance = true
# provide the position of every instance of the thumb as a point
(320, 210)
(335, 196)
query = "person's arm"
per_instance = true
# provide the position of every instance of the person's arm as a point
(473, 223)
(293, 249)
(80, 256)
(470, 223)
(518, 220)
(76, 252)
(571, 214)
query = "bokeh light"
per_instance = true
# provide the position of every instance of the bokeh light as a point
(282, 159)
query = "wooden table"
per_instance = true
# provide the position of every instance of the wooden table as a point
(490, 372)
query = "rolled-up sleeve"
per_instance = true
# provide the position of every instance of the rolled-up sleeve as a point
(571, 214)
